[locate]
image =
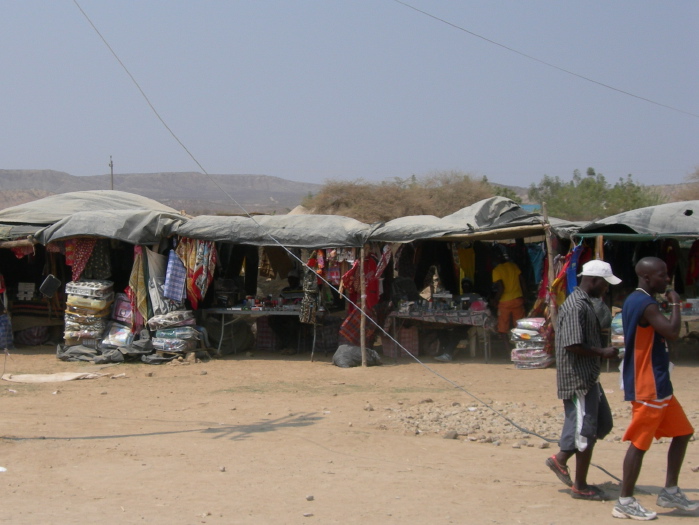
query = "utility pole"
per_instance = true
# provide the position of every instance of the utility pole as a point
(111, 173)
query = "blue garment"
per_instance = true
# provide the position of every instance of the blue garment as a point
(536, 259)
(5, 332)
(572, 270)
(646, 364)
(175, 279)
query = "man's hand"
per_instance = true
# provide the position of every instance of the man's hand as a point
(672, 296)
(609, 353)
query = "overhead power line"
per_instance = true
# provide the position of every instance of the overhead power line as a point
(548, 64)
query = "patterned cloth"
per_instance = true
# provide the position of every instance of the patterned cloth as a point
(577, 324)
(175, 278)
(137, 285)
(6, 332)
(350, 329)
(81, 255)
(408, 338)
(266, 339)
(464, 317)
(199, 257)
(99, 265)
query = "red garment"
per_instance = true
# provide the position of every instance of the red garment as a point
(693, 264)
(83, 251)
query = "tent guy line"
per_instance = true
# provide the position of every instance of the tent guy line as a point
(548, 64)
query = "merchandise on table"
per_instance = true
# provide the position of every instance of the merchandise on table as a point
(90, 288)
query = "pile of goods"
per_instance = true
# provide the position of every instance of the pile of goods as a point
(88, 311)
(530, 342)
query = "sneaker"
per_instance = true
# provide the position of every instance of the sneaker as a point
(633, 510)
(444, 358)
(676, 501)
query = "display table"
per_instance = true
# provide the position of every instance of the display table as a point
(480, 319)
(234, 313)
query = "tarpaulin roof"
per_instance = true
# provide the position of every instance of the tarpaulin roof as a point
(297, 231)
(56, 207)
(100, 213)
(674, 219)
(496, 214)
(132, 226)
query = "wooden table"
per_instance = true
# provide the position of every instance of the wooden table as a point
(479, 319)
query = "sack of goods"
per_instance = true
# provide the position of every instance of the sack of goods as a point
(530, 345)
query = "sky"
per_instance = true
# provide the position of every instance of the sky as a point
(318, 90)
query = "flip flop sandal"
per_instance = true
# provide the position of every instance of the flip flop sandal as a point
(591, 493)
(562, 472)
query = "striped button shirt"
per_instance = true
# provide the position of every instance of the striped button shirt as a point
(577, 324)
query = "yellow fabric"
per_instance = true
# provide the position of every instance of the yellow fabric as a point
(467, 264)
(508, 272)
(137, 282)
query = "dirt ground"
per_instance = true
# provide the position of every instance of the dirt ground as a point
(265, 438)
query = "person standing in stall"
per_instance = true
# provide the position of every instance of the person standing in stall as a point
(508, 291)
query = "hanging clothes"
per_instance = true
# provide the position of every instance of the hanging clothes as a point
(81, 255)
(175, 279)
(199, 257)
(137, 285)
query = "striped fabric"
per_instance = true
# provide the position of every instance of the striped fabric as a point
(577, 324)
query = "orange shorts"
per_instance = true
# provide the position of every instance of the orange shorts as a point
(656, 419)
(509, 312)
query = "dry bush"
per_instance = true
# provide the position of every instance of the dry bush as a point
(438, 194)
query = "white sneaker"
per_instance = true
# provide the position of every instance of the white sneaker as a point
(633, 510)
(676, 501)
(444, 358)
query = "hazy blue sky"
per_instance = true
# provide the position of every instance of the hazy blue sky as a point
(311, 90)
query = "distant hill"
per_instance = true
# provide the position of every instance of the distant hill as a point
(194, 193)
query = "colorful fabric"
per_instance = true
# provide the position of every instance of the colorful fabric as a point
(99, 264)
(199, 257)
(350, 330)
(6, 332)
(646, 371)
(137, 285)
(508, 272)
(265, 338)
(22, 251)
(409, 340)
(175, 278)
(81, 255)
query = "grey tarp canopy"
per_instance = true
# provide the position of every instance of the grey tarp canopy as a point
(675, 219)
(103, 213)
(132, 226)
(496, 217)
(294, 231)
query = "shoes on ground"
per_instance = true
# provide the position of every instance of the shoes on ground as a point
(444, 358)
(633, 510)
(676, 501)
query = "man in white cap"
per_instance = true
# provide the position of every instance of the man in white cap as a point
(579, 350)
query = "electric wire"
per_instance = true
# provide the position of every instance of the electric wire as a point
(540, 61)
(273, 239)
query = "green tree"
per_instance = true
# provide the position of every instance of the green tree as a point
(591, 197)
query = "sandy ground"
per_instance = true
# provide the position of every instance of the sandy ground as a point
(272, 439)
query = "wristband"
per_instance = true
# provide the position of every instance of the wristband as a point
(674, 304)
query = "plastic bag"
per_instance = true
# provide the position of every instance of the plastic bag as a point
(175, 318)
